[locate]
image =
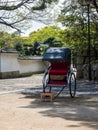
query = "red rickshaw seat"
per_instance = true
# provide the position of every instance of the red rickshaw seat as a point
(59, 68)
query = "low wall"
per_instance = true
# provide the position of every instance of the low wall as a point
(11, 66)
(31, 65)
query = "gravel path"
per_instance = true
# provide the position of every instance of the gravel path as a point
(22, 109)
(33, 84)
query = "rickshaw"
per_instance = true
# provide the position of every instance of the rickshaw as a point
(58, 73)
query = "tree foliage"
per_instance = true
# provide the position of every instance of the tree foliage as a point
(74, 17)
(74, 13)
(44, 33)
(47, 37)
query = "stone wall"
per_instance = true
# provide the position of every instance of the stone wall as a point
(82, 65)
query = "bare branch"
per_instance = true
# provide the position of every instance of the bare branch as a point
(41, 7)
(13, 7)
(10, 25)
(13, 12)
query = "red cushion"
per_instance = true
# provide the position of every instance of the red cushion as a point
(60, 68)
(58, 72)
(58, 65)
(57, 83)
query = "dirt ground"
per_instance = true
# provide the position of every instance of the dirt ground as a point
(25, 111)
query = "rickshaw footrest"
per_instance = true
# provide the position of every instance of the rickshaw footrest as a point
(44, 96)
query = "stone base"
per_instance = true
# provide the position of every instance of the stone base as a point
(13, 74)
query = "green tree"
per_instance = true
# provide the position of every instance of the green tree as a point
(53, 42)
(5, 40)
(74, 17)
(44, 33)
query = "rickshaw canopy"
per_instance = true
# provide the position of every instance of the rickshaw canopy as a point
(57, 54)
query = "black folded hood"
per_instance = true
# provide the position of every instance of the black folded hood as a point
(57, 54)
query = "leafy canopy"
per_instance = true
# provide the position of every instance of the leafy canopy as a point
(74, 17)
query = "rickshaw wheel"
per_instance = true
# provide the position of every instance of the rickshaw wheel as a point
(72, 84)
(45, 81)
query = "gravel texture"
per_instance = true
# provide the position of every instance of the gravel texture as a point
(22, 109)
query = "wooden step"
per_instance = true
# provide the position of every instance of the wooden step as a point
(46, 96)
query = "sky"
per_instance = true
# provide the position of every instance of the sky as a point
(38, 25)
(34, 27)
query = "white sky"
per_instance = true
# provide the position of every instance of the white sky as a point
(34, 27)
(38, 25)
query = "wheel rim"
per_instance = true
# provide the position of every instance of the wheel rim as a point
(72, 85)
(45, 82)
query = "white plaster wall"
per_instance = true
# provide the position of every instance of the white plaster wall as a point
(27, 66)
(9, 62)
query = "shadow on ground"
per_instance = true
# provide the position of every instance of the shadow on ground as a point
(83, 109)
